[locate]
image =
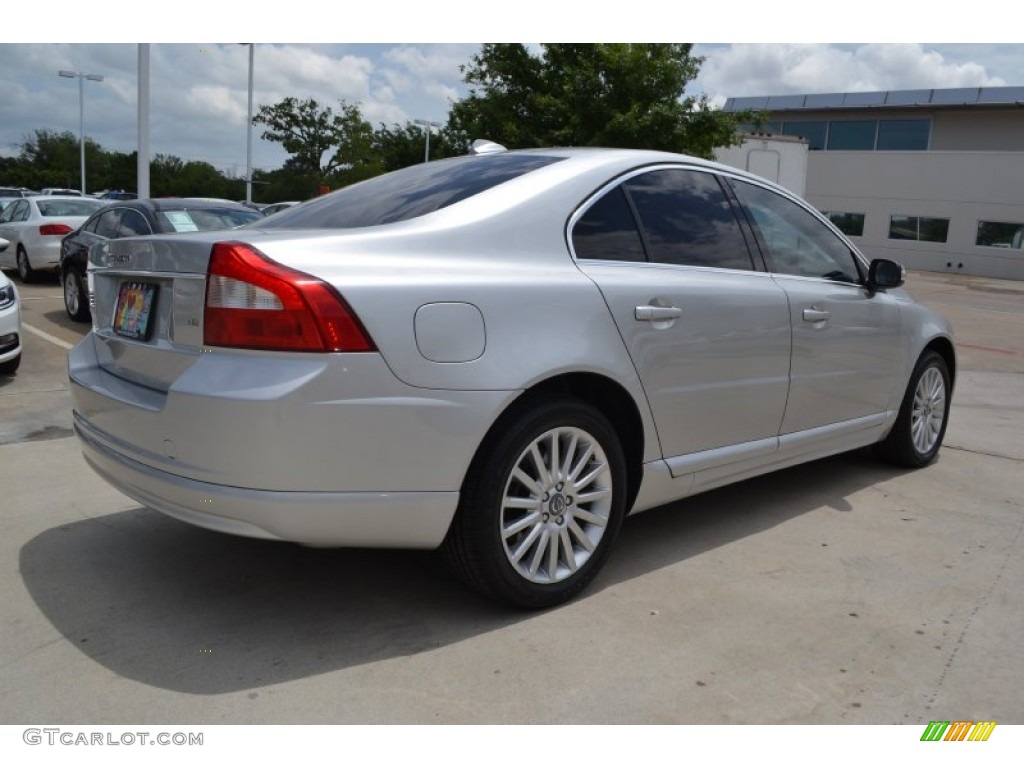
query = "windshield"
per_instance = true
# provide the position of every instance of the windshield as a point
(408, 193)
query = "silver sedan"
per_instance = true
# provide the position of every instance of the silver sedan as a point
(499, 355)
(34, 226)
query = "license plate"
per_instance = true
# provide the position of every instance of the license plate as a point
(134, 308)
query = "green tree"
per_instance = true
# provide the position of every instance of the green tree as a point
(170, 176)
(591, 94)
(399, 146)
(55, 160)
(324, 146)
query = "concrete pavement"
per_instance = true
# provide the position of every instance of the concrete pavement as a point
(844, 591)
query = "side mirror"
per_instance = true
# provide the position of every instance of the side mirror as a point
(884, 273)
(3, 244)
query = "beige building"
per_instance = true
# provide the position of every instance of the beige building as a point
(931, 178)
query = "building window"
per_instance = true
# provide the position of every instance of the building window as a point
(903, 134)
(918, 228)
(1000, 234)
(852, 134)
(814, 131)
(851, 224)
(883, 135)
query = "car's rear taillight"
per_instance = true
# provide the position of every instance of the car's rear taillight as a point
(54, 229)
(255, 303)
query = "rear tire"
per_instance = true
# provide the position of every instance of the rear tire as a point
(76, 302)
(25, 271)
(916, 437)
(541, 505)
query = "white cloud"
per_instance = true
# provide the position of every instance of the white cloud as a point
(761, 69)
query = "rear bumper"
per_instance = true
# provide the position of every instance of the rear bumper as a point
(408, 520)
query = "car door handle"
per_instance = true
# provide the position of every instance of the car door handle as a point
(653, 314)
(815, 315)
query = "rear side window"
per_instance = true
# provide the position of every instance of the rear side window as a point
(107, 224)
(408, 193)
(607, 231)
(688, 220)
(133, 223)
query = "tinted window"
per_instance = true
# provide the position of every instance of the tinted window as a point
(812, 130)
(687, 219)
(1000, 234)
(903, 134)
(608, 231)
(408, 193)
(850, 224)
(922, 228)
(133, 223)
(797, 242)
(107, 224)
(852, 134)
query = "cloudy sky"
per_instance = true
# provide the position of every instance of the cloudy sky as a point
(198, 90)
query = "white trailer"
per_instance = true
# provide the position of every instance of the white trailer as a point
(782, 159)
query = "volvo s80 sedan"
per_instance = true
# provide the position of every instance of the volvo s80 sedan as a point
(499, 355)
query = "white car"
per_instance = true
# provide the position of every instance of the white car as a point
(34, 227)
(10, 323)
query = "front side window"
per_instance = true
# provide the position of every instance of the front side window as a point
(923, 228)
(686, 219)
(796, 241)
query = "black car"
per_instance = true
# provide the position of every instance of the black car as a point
(130, 218)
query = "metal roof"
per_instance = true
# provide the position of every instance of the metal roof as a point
(944, 97)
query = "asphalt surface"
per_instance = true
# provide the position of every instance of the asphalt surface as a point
(844, 591)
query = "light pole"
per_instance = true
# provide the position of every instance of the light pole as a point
(248, 130)
(427, 126)
(82, 76)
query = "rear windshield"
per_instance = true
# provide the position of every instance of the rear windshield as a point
(408, 193)
(205, 219)
(81, 207)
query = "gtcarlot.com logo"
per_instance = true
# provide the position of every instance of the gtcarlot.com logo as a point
(958, 730)
(58, 736)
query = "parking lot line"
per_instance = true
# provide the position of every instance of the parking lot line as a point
(44, 335)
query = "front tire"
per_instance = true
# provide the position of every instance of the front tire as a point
(916, 437)
(541, 505)
(25, 271)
